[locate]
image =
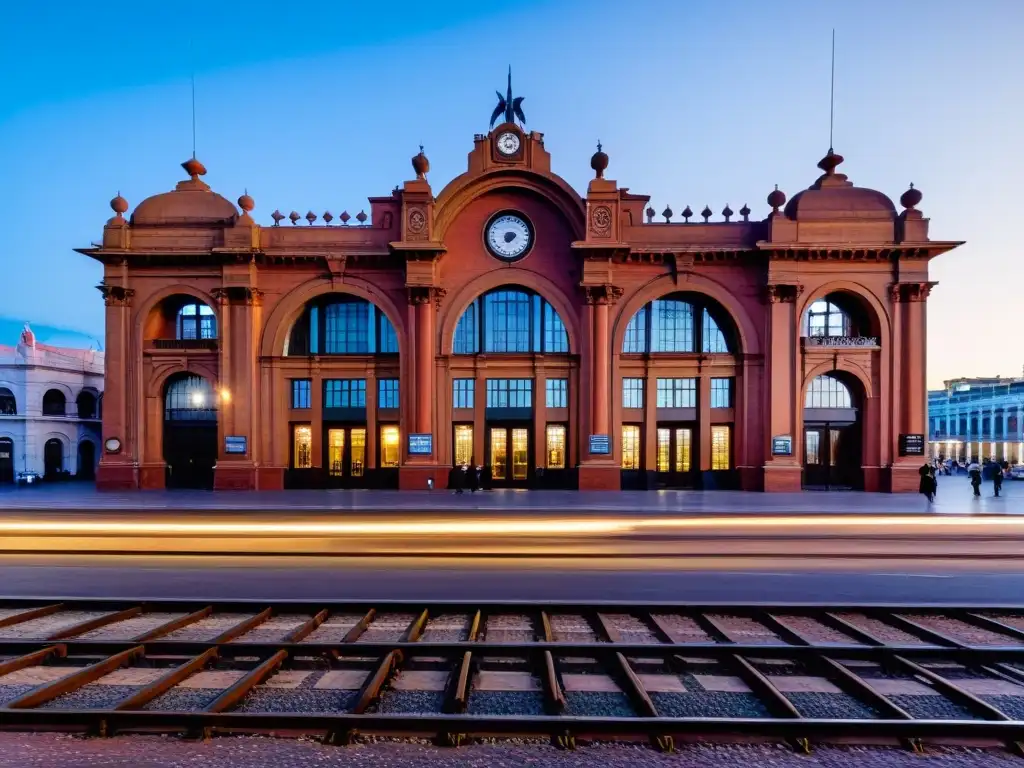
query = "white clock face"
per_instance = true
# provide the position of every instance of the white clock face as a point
(509, 236)
(113, 445)
(508, 143)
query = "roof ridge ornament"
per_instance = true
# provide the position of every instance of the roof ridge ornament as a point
(511, 108)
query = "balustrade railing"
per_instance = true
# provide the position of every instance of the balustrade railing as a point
(840, 341)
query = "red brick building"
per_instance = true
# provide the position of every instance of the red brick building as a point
(506, 321)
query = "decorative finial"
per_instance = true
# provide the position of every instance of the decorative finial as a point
(361, 217)
(310, 217)
(650, 215)
(246, 203)
(599, 162)
(830, 162)
(277, 216)
(328, 217)
(687, 213)
(667, 213)
(120, 206)
(421, 164)
(727, 212)
(294, 217)
(911, 197)
(194, 168)
(345, 217)
(745, 212)
(776, 199)
(511, 108)
(706, 213)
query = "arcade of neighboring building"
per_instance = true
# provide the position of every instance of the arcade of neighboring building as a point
(555, 340)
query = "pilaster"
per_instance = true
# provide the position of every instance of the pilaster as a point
(782, 473)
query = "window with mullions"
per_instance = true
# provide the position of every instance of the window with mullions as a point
(677, 393)
(190, 398)
(510, 393)
(196, 321)
(828, 392)
(632, 393)
(557, 391)
(674, 325)
(342, 326)
(462, 393)
(387, 393)
(823, 318)
(301, 393)
(345, 393)
(507, 320)
(721, 393)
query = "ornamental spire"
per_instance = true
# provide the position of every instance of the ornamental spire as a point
(511, 108)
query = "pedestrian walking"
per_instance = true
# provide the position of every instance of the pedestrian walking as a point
(974, 471)
(927, 484)
(456, 479)
(997, 478)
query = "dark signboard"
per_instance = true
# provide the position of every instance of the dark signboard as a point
(421, 445)
(235, 444)
(782, 445)
(911, 445)
(600, 444)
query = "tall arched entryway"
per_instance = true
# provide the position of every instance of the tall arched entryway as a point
(6, 460)
(510, 348)
(344, 412)
(190, 431)
(833, 432)
(53, 459)
(679, 354)
(87, 460)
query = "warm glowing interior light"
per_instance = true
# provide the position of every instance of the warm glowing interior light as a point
(197, 399)
(225, 395)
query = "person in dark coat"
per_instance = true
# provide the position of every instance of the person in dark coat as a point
(974, 471)
(927, 484)
(457, 478)
(997, 477)
(474, 475)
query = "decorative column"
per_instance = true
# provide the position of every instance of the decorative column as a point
(909, 299)
(419, 470)
(119, 453)
(237, 385)
(600, 471)
(781, 395)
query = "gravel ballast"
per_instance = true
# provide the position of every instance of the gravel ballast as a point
(506, 703)
(92, 697)
(311, 700)
(598, 704)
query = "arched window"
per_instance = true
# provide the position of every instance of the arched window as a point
(8, 405)
(828, 392)
(510, 320)
(86, 405)
(342, 325)
(196, 321)
(190, 398)
(54, 403)
(677, 325)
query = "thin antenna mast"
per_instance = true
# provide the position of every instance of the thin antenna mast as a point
(192, 63)
(832, 94)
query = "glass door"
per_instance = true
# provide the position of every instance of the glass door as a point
(816, 467)
(674, 463)
(520, 454)
(499, 454)
(336, 452)
(357, 462)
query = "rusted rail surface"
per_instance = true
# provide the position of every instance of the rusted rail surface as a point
(631, 643)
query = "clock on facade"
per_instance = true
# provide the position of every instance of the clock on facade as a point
(509, 235)
(508, 143)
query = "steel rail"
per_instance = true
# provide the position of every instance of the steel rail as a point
(625, 662)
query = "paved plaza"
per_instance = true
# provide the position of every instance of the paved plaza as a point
(954, 497)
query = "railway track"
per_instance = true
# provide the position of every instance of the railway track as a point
(569, 672)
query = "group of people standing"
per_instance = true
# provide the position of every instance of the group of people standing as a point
(469, 478)
(978, 473)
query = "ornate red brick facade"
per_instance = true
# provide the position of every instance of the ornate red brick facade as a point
(596, 261)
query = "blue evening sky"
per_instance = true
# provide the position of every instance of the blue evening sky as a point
(321, 104)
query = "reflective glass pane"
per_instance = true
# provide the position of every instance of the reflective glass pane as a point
(303, 447)
(556, 446)
(520, 453)
(721, 457)
(335, 451)
(499, 453)
(812, 447)
(390, 445)
(833, 446)
(463, 445)
(684, 445)
(630, 446)
(358, 447)
(664, 447)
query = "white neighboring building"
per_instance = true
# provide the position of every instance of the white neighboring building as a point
(50, 401)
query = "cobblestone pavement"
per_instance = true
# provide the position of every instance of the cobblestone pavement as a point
(24, 750)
